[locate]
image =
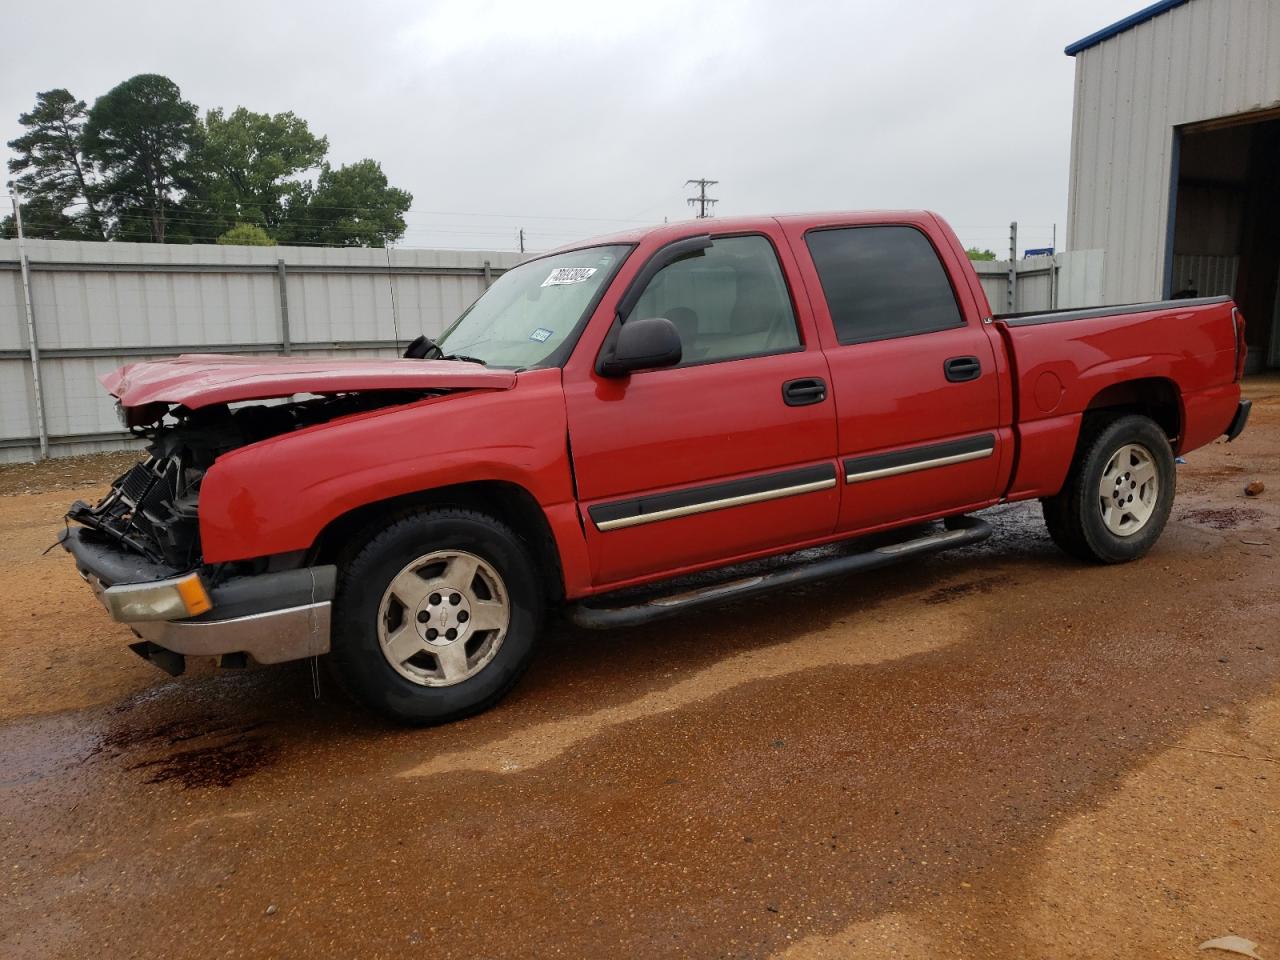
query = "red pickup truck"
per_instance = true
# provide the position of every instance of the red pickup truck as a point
(609, 419)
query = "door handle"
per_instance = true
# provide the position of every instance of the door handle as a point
(801, 393)
(960, 369)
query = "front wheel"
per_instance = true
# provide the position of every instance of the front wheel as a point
(1118, 496)
(436, 616)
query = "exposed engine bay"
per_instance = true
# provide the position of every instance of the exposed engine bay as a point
(152, 508)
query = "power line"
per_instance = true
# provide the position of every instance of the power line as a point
(413, 212)
(420, 233)
(181, 218)
(178, 214)
(702, 201)
(184, 241)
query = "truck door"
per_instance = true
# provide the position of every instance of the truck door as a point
(915, 383)
(733, 451)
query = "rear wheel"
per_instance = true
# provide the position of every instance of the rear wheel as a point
(1117, 498)
(436, 616)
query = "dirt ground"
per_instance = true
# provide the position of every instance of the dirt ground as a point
(996, 752)
(65, 473)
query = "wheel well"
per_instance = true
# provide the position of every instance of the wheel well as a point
(508, 502)
(1153, 397)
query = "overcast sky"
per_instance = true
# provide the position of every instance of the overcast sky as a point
(573, 119)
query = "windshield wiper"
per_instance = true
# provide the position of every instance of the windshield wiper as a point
(465, 358)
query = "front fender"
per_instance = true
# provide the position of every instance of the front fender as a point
(276, 496)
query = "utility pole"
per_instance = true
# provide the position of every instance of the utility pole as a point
(522, 239)
(1053, 272)
(25, 265)
(1012, 298)
(702, 201)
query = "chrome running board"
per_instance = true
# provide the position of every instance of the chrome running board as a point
(959, 531)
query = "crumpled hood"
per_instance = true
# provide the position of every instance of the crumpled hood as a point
(203, 379)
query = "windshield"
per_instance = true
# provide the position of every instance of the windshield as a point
(531, 309)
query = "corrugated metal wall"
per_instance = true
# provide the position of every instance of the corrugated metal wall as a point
(1131, 91)
(98, 305)
(1207, 275)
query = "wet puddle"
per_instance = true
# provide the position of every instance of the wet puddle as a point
(219, 765)
(211, 752)
(960, 590)
(1222, 518)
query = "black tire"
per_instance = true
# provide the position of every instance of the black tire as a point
(357, 657)
(1074, 517)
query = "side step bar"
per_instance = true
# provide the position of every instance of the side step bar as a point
(959, 532)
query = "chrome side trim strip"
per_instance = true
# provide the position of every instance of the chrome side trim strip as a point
(918, 465)
(710, 505)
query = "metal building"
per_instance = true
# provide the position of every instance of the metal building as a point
(1175, 157)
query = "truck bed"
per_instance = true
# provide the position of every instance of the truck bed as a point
(1067, 362)
(1034, 317)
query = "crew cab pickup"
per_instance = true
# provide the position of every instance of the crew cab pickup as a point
(606, 421)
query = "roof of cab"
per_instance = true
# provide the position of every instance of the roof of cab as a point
(723, 225)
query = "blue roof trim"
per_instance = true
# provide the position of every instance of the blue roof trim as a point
(1120, 26)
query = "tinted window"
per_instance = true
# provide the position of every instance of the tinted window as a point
(882, 282)
(730, 302)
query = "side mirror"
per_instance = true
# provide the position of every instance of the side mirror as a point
(642, 345)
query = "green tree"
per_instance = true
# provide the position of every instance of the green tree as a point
(250, 164)
(53, 174)
(975, 254)
(145, 139)
(247, 235)
(351, 205)
(141, 165)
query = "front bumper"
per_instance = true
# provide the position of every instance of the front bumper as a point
(1239, 420)
(271, 617)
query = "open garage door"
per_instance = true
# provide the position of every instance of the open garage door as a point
(1226, 227)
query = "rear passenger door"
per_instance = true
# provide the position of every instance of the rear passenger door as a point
(915, 384)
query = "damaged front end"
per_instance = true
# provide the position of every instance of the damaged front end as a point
(153, 508)
(139, 546)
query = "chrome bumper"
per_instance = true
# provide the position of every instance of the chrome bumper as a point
(271, 637)
(272, 617)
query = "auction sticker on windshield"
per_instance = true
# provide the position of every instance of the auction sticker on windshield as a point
(562, 275)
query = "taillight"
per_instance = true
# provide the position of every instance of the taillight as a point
(1237, 324)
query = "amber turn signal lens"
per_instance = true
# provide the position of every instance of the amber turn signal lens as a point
(194, 596)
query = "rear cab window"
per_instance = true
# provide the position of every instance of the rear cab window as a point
(882, 282)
